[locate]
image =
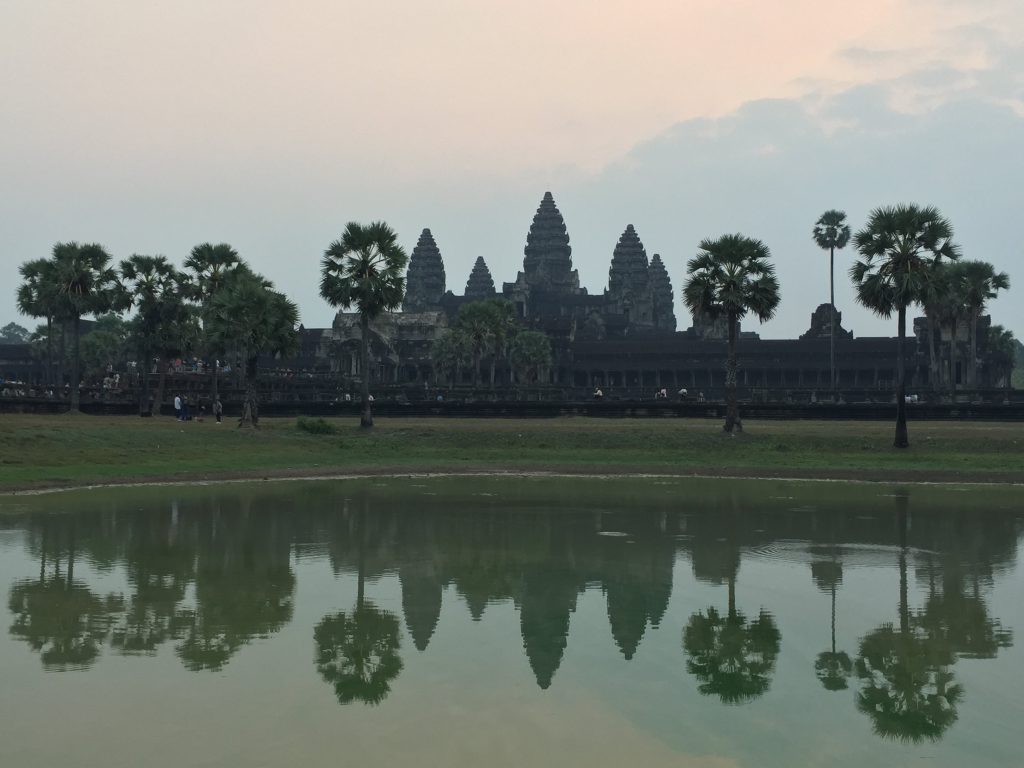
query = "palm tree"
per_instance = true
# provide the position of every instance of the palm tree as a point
(86, 285)
(1002, 348)
(210, 266)
(364, 268)
(248, 313)
(981, 282)
(37, 297)
(478, 320)
(831, 232)
(899, 247)
(154, 287)
(449, 353)
(730, 277)
(938, 303)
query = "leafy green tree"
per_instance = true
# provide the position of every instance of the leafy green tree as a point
(899, 248)
(981, 283)
(504, 330)
(1002, 347)
(731, 277)
(450, 353)
(832, 233)
(365, 268)
(105, 344)
(163, 321)
(249, 313)
(86, 285)
(12, 333)
(531, 353)
(37, 297)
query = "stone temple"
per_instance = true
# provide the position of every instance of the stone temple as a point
(624, 339)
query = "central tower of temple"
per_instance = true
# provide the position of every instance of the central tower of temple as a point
(548, 256)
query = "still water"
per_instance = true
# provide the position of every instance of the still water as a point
(509, 622)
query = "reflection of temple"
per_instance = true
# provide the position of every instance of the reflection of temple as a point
(624, 338)
(213, 572)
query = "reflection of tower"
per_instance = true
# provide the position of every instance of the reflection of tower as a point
(421, 600)
(548, 597)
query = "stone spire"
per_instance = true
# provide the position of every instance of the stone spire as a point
(548, 255)
(480, 284)
(663, 301)
(629, 284)
(424, 282)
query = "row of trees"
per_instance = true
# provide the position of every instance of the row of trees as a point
(907, 257)
(216, 306)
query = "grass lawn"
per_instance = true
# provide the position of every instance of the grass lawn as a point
(40, 451)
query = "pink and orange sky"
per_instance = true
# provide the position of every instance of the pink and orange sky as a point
(151, 126)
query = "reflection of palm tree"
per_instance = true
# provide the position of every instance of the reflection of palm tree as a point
(358, 653)
(60, 617)
(831, 667)
(732, 659)
(908, 689)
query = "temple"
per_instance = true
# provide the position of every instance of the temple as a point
(625, 339)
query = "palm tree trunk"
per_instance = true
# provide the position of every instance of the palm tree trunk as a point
(902, 441)
(61, 353)
(75, 363)
(366, 419)
(833, 618)
(732, 595)
(933, 355)
(251, 409)
(144, 393)
(732, 410)
(952, 357)
(49, 350)
(161, 381)
(832, 321)
(972, 368)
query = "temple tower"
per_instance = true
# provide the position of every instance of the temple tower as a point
(663, 301)
(425, 279)
(480, 284)
(548, 256)
(629, 281)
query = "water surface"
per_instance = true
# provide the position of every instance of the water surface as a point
(487, 621)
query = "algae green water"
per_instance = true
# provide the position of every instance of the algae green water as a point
(497, 621)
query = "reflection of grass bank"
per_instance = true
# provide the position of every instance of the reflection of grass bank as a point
(51, 450)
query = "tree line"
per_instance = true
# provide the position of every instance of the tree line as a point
(218, 304)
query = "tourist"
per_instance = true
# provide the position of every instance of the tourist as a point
(218, 409)
(598, 394)
(177, 407)
(683, 393)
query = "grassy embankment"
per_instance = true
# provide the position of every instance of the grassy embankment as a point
(42, 451)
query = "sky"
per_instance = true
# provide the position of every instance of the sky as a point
(150, 127)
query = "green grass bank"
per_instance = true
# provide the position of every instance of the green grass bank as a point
(57, 451)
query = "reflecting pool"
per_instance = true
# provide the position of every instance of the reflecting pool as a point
(509, 622)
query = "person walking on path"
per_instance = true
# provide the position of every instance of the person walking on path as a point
(177, 407)
(218, 409)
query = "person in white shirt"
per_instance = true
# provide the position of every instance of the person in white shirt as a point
(177, 407)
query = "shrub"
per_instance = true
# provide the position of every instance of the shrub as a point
(315, 426)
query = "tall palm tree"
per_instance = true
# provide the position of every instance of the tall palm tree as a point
(831, 232)
(899, 248)
(478, 321)
(937, 302)
(364, 268)
(259, 320)
(731, 277)
(37, 297)
(981, 282)
(210, 267)
(154, 287)
(86, 285)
